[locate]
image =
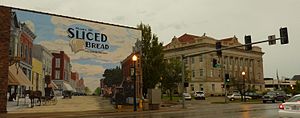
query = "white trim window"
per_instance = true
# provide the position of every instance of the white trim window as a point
(57, 62)
(57, 74)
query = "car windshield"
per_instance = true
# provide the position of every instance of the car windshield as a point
(199, 92)
(186, 94)
(294, 99)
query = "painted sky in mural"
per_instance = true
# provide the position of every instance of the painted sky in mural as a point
(92, 47)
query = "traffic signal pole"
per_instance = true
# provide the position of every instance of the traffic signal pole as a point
(223, 78)
(182, 81)
(226, 48)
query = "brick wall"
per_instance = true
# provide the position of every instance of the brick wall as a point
(5, 17)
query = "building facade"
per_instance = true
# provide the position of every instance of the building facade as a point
(61, 71)
(127, 72)
(15, 34)
(37, 76)
(75, 80)
(201, 74)
(42, 54)
(4, 58)
(279, 84)
(26, 44)
(45, 56)
(81, 86)
(20, 52)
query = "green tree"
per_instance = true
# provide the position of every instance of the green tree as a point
(97, 91)
(152, 58)
(113, 76)
(171, 77)
(297, 87)
(87, 90)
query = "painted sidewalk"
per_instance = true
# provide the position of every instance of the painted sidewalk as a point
(77, 103)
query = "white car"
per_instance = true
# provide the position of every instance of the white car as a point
(199, 95)
(187, 96)
(291, 108)
(235, 96)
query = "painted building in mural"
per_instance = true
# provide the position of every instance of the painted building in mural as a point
(20, 57)
(37, 76)
(80, 86)
(74, 80)
(26, 43)
(14, 37)
(45, 56)
(61, 71)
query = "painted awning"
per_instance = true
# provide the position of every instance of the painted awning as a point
(68, 87)
(12, 80)
(17, 77)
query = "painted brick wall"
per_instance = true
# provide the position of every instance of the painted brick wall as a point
(5, 17)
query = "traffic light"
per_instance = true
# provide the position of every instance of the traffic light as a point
(272, 40)
(227, 78)
(284, 39)
(215, 63)
(248, 41)
(218, 47)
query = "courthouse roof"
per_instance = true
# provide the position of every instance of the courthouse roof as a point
(187, 38)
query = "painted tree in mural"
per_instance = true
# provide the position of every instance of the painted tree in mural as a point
(113, 77)
(97, 91)
(152, 58)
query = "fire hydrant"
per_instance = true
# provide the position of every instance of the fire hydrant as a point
(140, 103)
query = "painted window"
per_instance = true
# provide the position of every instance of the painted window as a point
(57, 62)
(57, 74)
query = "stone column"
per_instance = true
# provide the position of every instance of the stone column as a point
(5, 16)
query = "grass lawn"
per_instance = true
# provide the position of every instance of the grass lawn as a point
(174, 98)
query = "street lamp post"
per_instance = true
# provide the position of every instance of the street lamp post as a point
(134, 59)
(244, 99)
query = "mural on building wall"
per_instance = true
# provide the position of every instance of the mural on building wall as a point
(91, 46)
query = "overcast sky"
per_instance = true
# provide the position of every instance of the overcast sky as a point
(216, 18)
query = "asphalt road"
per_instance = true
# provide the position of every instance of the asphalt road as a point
(208, 111)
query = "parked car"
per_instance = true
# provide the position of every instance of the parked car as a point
(253, 95)
(289, 95)
(235, 96)
(274, 96)
(199, 95)
(187, 96)
(290, 108)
